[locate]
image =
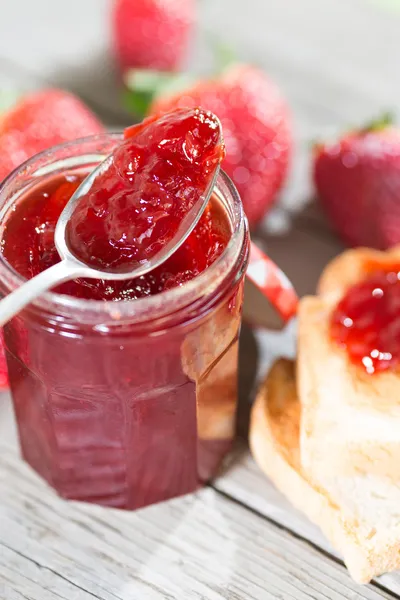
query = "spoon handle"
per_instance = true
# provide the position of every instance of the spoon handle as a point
(21, 297)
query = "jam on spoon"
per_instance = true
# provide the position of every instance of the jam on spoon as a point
(135, 207)
(366, 322)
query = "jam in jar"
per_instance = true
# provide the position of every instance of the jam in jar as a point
(124, 392)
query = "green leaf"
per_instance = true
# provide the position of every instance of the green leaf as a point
(137, 102)
(385, 120)
(144, 86)
(142, 80)
(224, 55)
(176, 84)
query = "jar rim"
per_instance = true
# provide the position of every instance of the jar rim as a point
(141, 309)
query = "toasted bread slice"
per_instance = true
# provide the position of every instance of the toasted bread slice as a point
(350, 420)
(360, 516)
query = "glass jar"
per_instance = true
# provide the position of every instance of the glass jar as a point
(125, 403)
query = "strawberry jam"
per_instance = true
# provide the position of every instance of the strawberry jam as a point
(366, 322)
(124, 392)
(34, 223)
(134, 207)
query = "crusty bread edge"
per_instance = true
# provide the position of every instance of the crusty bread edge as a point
(362, 564)
(346, 269)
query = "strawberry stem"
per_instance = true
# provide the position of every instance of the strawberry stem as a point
(385, 120)
(224, 54)
(144, 86)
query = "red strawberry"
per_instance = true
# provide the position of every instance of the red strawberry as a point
(36, 123)
(256, 126)
(152, 33)
(358, 184)
(39, 121)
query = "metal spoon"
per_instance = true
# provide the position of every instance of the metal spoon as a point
(71, 267)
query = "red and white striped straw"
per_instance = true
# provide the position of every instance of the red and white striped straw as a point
(272, 282)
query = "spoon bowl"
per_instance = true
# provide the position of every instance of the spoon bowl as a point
(185, 228)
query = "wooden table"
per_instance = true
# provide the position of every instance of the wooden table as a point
(338, 63)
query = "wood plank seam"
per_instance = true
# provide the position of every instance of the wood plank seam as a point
(297, 536)
(265, 557)
(46, 568)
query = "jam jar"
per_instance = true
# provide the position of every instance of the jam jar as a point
(121, 401)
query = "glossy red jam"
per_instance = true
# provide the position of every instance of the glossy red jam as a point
(33, 225)
(123, 411)
(366, 322)
(156, 176)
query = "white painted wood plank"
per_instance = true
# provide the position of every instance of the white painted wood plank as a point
(22, 577)
(245, 482)
(202, 546)
(8, 430)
